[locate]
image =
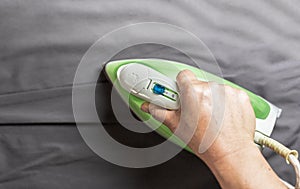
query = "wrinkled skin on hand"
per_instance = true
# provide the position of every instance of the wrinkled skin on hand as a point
(214, 119)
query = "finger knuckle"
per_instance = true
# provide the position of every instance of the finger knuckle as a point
(182, 74)
(243, 95)
(230, 90)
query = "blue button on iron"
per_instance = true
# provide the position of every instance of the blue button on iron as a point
(158, 89)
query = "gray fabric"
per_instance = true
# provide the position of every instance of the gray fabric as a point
(256, 43)
(54, 156)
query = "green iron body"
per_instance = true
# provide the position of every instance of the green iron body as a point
(265, 112)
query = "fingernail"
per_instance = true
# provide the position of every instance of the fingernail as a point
(145, 107)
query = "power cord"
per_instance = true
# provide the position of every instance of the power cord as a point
(291, 156)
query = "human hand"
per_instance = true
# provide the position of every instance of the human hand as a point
(218, 123)
(220, 118)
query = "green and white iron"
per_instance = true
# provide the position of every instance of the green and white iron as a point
(153, 80)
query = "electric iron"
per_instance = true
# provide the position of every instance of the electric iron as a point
(154, 80)
(140, 80)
